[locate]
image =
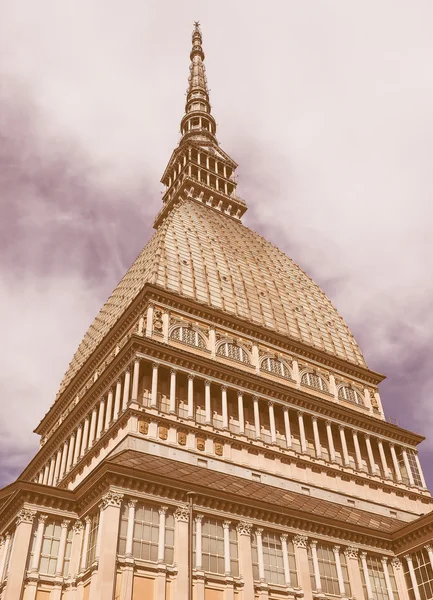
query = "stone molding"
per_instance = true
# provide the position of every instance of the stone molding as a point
(351, 552)
(300, 541)
(244, 528)
(182, 514)
(396, 563)
(77, 526)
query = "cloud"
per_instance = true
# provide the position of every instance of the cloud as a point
(327, 108)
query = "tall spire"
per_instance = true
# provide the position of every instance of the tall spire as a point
(198, 121)
(199, 169)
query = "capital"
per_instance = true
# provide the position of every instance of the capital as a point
(244, 528)
(429, 547)
(191, 377)
(173, 371)
(111, 499)
(396, 563)
(240, 393)
(314, 418)
(182, 514)
(341, 427)
(351, 552)
(162, 510)
(300, 541)
(198, 518)
(155, 366)
(283, 537)
(259, 531)
(408, 558)
(25, 515)
(336, 549)
(226, 524)
(65, 523)
(77, 526)
(363, 555)
(42, 519)
(87, 520)
(223, 388)
(313, 543)
(132, 503)
(384, 560)
(270, 403)
(207, 382)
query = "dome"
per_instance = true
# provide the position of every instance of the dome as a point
(206, 256)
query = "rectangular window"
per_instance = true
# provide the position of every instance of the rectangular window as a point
(146, 533)
(414, 468)
(423, 573)
(8, 556)
(377, 579)
(328, 570)
(273, 559)
(213, 547)
(93, 537)
(50, 548)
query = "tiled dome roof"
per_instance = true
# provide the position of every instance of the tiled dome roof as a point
(208, 257)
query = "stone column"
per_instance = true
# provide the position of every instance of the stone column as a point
(256, 409)
(227, 564)
(400, 580)
(62, 547)
(302, 432)
(135, 379)
(212, 342)
(358, 456)
(73, 448)
(287, 427)
(154, 392)
(173, 391)
(286, 565)
(385, 467)
(346, 459)
(407, 465)
(109, 410)
(7, 542)
(317, 445)
(165, 326)
(85, 441)
(140, 325)
(366, 575)
(34, 565)
(127, 581)
(336, 550)
(207, 405)
(330, 441)
(332, 386)
(108, 533)
(19, 553)
(198, 552)
(117, 398)
(302, 565)
(429, 549)
(317, 581)
(395, 463)
(241, 413)
(224, 406)
(101, 416)
(259, 533)
(181, 535)
(387, 579)
(190, 396)
(46, 473)
(51, 473)
(162, 511)
(370, 455)
(351, 553)
(77, 534)
(65, 449)
(272, 422)
(149, 320)
(92, 431)
(412, 575)
(57, 466)
(126, 389)
(245, 559)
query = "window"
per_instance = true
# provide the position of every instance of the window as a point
(234, 352)
(188, 335)
(146, 533)
(423, 573)
(276, 367)
(93, 538)
(212, 541)
(315, 381)
(349, 394)
(273, 559)
(8, 557)
(377, 579)
(67, 559)
(328, 570)
(414, 468)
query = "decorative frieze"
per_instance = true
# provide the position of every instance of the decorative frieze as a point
(351, 552)
(111, 499)
(182, 514)
(244, 528)
(300, 541)
(25, 515)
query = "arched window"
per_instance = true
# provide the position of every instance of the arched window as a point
(188, 335)
(275, 366)
(315, 381)
(234, 352)
(349, 394)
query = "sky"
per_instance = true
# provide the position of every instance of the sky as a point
(326, 105)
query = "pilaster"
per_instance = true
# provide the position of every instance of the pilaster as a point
(19, 553)
(244, 530)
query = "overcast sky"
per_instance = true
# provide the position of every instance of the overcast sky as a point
(327, 106)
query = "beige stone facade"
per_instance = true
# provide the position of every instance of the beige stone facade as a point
(218, 434)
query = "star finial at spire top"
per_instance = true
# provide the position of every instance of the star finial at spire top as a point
(197, 25)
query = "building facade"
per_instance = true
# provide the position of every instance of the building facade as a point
(218, 434)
